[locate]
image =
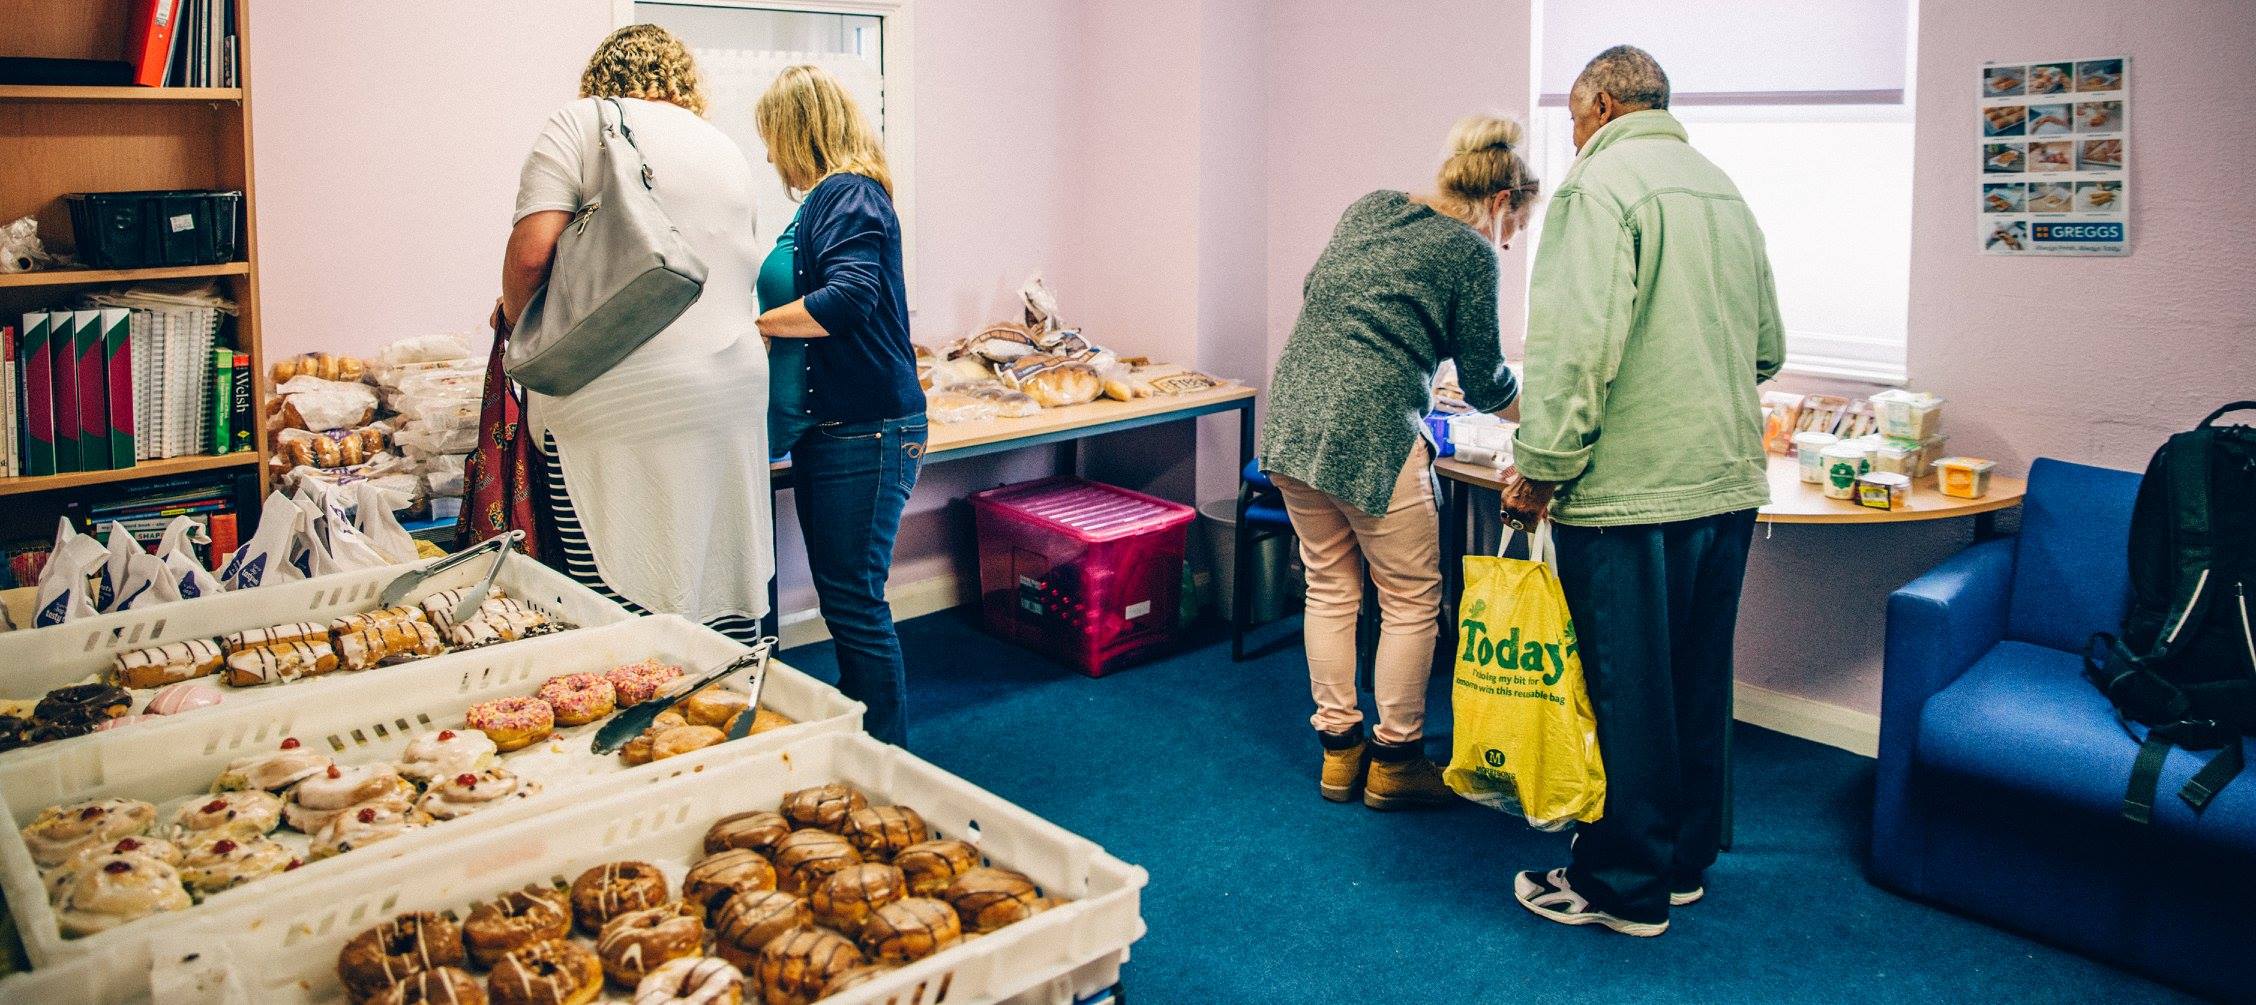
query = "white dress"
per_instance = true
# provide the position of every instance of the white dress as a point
(665, 456)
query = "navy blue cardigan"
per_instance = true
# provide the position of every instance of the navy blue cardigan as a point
(849, 260)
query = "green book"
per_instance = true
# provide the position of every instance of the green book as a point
(117, 365)
(35, 395)
(63, 361)
(93, 391)
(222, 398)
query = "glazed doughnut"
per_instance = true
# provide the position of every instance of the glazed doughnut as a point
(245, 811)
(183, 697)
(989, 898)
(639, 682)
(880, 832)
(683, 739)
(846, 898)
(515, 920)
(446, 752)
(636, 942)
(111, 890)
(82, 705)
(806, 858)
(288, 766)
(793, 969)
(579, 698)
(909, 930)
(724, 874)
(747, 922)
(364, 825)
(166, 664)
(613, 889)
(396, 950)
(932, 865)
(436, 986)
(824, 807)
(555, 972)
(512, 723)
(58, 832)
(759, 830)
(713, 706)
(691, 980)
(470, 792)
(219, 860)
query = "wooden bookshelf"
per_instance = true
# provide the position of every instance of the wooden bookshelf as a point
(56, 140)
(44, 92)
(144, 470)
(100, 277)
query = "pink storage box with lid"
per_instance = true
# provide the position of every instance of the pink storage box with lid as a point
(1085, 572)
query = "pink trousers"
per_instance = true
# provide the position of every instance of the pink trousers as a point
(1402, 549)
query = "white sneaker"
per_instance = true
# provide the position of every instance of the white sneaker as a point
(1550, 896)
(1687, 898)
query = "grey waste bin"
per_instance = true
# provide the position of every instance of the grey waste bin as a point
(1277, 581)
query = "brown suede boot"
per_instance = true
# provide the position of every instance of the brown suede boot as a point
(1343, 765)
(1402, 779)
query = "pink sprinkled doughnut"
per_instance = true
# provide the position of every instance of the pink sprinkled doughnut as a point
(636, 683)
(578, 698)
(512, 723)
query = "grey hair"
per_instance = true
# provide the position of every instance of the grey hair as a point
(1628, 73)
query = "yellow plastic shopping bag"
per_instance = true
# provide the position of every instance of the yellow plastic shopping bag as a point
(1526, 741)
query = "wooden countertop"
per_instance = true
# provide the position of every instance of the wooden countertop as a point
(1052, 425)
(1793, 501)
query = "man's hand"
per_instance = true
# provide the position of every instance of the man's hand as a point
(1526, 501)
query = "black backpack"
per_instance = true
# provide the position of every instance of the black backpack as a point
(2185, 665)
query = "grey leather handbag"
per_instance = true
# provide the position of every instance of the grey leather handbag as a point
(622, 273)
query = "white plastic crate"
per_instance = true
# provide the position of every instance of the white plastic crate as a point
(369, 717)
(35, 661)
(282, 947)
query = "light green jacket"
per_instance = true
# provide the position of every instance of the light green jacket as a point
(1651, 318)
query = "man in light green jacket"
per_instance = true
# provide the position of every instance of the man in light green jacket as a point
(1651, 318)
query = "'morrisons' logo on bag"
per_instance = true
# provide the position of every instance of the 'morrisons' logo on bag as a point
(1533, 656)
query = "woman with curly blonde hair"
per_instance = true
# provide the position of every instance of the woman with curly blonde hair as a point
(657, 469)
(848, 307)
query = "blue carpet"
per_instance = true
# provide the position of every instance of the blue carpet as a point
(1203, 772)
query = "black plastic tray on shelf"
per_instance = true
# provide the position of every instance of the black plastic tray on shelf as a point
(140, 230)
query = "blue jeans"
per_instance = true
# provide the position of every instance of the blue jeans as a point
(851, 481)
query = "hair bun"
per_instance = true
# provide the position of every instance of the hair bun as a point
(1475, 133)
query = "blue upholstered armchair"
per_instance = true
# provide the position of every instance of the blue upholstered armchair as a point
(2002, 771)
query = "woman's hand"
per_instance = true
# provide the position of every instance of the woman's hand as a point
(500, 319)
(1525, 501)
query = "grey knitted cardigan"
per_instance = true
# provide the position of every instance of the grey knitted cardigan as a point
(1399, 289)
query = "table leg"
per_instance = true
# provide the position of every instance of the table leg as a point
(1069, 457)
(1245, 434)
(1985, 526)
(1454, 533)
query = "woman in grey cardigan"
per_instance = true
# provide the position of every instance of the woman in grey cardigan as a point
(1407, 282)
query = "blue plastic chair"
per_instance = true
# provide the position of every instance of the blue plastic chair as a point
(1261, 516)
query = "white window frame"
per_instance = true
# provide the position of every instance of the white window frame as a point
(897, 32)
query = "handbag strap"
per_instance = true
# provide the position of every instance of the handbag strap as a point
(627, 133)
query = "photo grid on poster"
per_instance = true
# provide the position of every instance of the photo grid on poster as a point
(2055, 141)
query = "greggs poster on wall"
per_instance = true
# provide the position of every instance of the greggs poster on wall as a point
(2056, 157)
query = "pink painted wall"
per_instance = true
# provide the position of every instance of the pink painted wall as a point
(1361, 97)
(2093, 360)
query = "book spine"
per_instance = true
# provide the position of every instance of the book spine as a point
(62, 376)
(151, 45)
(117, 365)
(93, 392)
(37, 396)
(9, 447)
(239, 418)
(222, 398)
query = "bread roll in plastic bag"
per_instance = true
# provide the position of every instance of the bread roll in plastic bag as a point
(426, 349)
(313, 403)
(421, 439)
